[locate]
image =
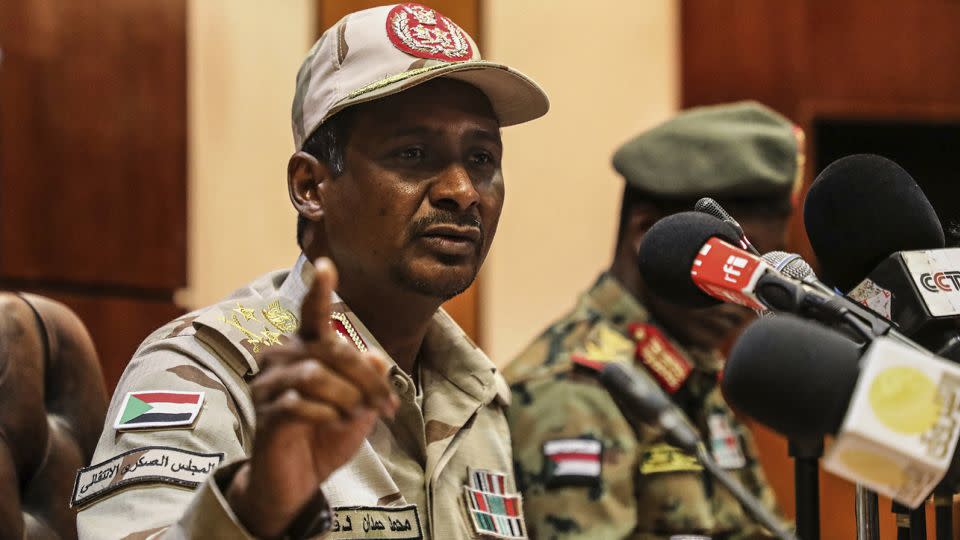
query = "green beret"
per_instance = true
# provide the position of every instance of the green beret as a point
(738, 150)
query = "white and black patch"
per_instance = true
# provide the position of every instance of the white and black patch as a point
(573, 462)
(146, 465)
(382, 522)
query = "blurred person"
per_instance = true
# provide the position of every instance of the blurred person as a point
(337, 396)
(583, 471)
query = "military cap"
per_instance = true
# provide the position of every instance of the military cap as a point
(378, 52)
(737, 150)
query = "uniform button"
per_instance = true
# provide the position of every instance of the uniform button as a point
(400, 384)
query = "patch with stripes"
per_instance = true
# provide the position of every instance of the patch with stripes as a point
(573, 462)
(488, 481)
(158, 408)
(493, 514)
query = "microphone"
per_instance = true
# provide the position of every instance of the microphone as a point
(713, 208)
(793, 265)
(859, 210)
(688, 258)
(894, 408)
(641, 401)
(667, 252)
(902, 271)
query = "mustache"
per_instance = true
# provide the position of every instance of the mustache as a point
(445, 217)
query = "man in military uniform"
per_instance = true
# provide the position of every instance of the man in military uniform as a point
(305, 404)
(583, 471)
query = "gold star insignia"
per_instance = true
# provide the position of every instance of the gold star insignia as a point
(248, 314)
(272, 338)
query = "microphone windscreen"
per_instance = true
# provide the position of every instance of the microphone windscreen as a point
(667, 251)
(860, 210)
(792, 375)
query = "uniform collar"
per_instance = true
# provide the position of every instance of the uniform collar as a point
(612, 301)
(446, 349)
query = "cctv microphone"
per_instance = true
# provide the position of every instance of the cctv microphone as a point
(878, 238)
(859, 210)
(643, 402)
(894, 408)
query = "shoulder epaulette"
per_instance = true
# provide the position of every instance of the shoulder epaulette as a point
(245, 327)
(660, 357)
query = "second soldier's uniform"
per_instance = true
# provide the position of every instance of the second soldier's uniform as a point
(623, 485)
(583, 470)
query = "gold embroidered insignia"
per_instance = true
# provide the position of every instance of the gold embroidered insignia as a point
(664, 458)
(607, 345)
(271, 337)
(247, 313)
(255, 340)
(281, 318)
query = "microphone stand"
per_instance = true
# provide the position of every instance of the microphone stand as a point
(748, 501)
(943, 512)
(642, 402)
(868, 518)
(806, 455)
(911, 523)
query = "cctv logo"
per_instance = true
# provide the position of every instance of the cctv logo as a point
(732, 270)
(941, 281)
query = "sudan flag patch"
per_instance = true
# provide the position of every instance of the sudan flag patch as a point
(158, 408)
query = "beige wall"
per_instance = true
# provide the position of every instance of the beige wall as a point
(242, 59)
(611, 69)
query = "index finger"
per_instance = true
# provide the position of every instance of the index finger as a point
(315, 311)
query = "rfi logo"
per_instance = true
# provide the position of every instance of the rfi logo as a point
(941, 281)
(731, 270)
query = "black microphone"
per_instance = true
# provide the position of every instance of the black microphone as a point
(859, 210)
(642, 401)
(793, 376)
(878, 239)
(668, 250)
(713, 208)
(891, 406)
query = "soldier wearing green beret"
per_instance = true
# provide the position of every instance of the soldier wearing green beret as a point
(583, 471)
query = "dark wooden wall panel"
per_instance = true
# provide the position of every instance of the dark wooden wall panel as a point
(93, 162)
(93, 131)
(883, 59)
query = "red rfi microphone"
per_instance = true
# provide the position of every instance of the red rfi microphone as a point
(728, 273)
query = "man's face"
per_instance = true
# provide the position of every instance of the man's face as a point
(419, 201)
(711, 327)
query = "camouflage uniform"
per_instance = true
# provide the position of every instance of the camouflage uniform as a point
(644, 489)
(156, 482)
